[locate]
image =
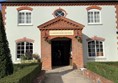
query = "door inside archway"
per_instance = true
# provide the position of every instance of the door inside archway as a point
(61, 49)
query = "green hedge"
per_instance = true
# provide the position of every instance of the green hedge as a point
(104, 69)
(21, 66)
(25, 75)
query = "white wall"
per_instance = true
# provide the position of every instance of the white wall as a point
(42, 14)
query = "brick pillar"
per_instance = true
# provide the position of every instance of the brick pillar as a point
(4, 13)
(77, 54)
(45, 54)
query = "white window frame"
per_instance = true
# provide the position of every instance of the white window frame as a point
(94, 10)
(96, 50)
(60, 14)
(24, 49)
(25, 18)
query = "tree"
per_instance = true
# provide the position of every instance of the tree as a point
(6, 65)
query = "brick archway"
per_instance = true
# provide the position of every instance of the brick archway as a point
(61, 27)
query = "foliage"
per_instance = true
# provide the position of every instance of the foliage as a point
(6, 66)
(36, 56)
(21, 66)
(25, 75)
(104, 69)
(27, 59)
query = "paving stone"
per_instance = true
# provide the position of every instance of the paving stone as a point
(65, 75)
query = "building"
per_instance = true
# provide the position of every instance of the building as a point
(62, 32)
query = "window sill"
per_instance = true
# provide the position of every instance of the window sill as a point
(25, 24)
(18, 59)
(96, 58)
(95, 24)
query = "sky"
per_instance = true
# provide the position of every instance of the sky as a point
(2, 0)
(0, 4)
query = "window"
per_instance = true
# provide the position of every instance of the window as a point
(95, 48)
(59, 12)
(23, 48)
(24, 17)
(94, 16)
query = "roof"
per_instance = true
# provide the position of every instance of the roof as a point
(56, 1)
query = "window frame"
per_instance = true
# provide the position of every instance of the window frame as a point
(25, 45)
(95, 49)
(25, 17)
(59, 13)
(94, 10)
(60, 9)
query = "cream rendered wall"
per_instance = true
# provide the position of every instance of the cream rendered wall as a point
(42, 14)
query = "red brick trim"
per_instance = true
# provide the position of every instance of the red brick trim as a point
(59, 4)
(93, 7)
(116, 6)
(95, 77)
(61, 10)
(3, 14)
(61, 23)
(96, 38)
(24, 8)
(24, 39)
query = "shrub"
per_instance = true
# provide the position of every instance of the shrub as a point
(21, 66)
(6, 66)
(103, 69)
(24, 75)
(30, 58)
(36, 56)
(26, 57)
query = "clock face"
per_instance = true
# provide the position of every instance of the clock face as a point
(59, 13)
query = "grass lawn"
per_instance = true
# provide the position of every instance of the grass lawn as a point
(108, 70)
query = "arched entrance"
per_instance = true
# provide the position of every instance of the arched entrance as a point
(61, 51)
(58, 37)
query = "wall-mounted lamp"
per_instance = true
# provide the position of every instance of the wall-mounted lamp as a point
(116, 32)
(78, 38)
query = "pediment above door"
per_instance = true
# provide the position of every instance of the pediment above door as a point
(61, 23)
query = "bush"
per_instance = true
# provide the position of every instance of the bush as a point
(26, 57)
(103, 69)
(30, 58)
(24, 75)
(36, 56)
(21, 66)
(6, 65)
